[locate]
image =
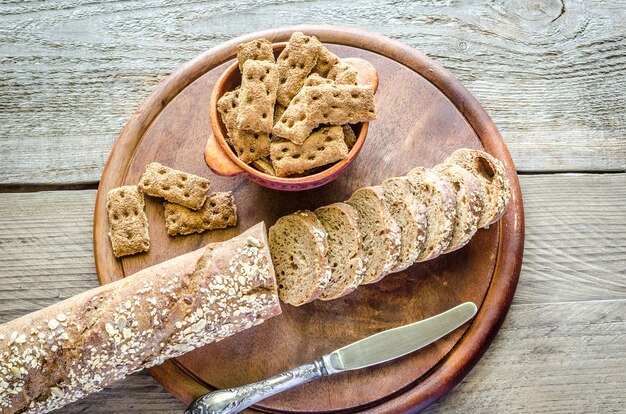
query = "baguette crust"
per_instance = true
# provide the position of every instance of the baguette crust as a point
(61, 353)
(493, 178)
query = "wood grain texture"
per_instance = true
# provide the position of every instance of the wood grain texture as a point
(46, 236)
(551, 75)
(172, 127)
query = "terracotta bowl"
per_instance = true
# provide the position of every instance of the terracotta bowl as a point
(222, 160)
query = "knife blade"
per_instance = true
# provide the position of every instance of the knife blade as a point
(394, 343)
(375, 349)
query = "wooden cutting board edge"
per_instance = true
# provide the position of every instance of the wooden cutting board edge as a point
(493, 310)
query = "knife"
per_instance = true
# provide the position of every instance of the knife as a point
(376, 349)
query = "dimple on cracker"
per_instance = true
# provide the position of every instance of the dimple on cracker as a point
(325, 61)
(128, 224)
(178, 187)
(343, 74)
(257, 96)
(325, 104)
(260, 49)
(218, 212)
(294, 64)
(248, 145)
(320, 148)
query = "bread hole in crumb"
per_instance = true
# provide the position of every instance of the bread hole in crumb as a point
(162, 171)
(291, 257)
(240, 150)
(256, 135)
(135, 212)
(251, 150)
(234, 104)
(267, 92)
(204, 186)
(249, 99)
(283, 80)
(302, 116)
(322, 148)
(267, 71)
(325, 115)
(484, 168)
(296, 100)
(115, 217)
(180, 185)
(315, 97)
(215, 212)
(293, 66)
(262, 78)
(258, 45)
(328, 139)
(225, 218)
(279, 158)
(355, 95)
(212, 203)
(335, 94)
(334, 106)
(165, 187)
(290, 123)
(186, 195)
(183, 177)
(295, 156)
(263, 115)
(350, 114)
(122, 194)
(311, 157)
(284, 150)
(129, 235)
(226, 110)
(456, 186)
(306, 40)
(301, 65)
(146, 183)
(249, 77)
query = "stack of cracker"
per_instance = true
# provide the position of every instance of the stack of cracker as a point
(188, 208)
(292, 116)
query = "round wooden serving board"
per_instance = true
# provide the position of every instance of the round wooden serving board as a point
(424, 113)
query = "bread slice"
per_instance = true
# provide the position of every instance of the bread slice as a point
(381, 233)
(468, 203)
(434, 191)
(410, 216)
(298, 245)
(493, 179)
(345, 255)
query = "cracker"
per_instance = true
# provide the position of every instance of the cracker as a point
(176, 186)
(128, 224)
(294, 64)
(265, 166)
(343, 74)
(279, 110)
(260, 49)
(320, 148)
(349, 136)
(315, 80)
(248, 145)
(325, 62)
(325, 104)
(257, 96)
(218, 212)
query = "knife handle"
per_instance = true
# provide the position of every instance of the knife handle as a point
(234, 400)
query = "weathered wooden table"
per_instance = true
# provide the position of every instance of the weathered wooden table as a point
(552, 73)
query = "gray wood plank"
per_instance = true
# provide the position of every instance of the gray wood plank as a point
(71, 73)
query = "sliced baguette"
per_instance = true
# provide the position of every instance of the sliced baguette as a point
(344, 254)
(468, 195)
(298, 245)
(410, 216)
(437, 194)
(381, 234)
(493, 179)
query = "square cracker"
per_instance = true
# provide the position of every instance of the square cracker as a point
(178, 187)
(260, 49)
(257, 96)
(325, 104)
(219, 211)
(248, 145)
(295, 63)
(325, 61)
(320, 148)
(128, 224)
(343, 74)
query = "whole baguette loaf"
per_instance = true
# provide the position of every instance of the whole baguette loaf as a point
(61, 353)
